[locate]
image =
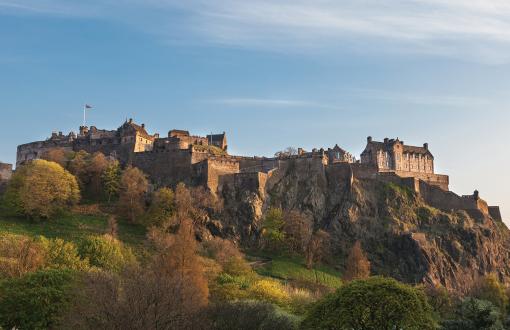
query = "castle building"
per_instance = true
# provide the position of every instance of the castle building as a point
(199, 160)
(394, 156)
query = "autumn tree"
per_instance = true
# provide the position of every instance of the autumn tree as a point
(169, 292)
(298, 231)
(318, 248)
(96, 165)
(41, 189)
(111, 180)
(357, 265)
(57, 155)
(133, 186)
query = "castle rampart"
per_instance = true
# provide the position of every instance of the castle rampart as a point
(196, 160)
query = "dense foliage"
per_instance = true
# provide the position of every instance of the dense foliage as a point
(41, 189)
(375, 303)
(35, 301)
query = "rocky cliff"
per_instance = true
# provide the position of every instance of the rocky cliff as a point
(403, 236)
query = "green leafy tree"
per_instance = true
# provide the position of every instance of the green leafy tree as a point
(111, 180)
(36, 300)
(60, 254)
(376, 303)
(105, 252)
(475, 314)
(491, 289)
(272, 229)
(162, 207)
(41, 189)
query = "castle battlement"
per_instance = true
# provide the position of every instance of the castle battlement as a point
(198, 160)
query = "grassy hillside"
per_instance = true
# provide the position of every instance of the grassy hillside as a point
(72, 227)
(294, 270)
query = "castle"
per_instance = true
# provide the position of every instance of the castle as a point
(197, 160)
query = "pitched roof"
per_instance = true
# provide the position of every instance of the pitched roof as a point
(406, 148)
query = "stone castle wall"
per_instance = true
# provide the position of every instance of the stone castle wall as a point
(166, 168)
(5, 171)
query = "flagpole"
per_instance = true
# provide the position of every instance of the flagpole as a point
(84, 106)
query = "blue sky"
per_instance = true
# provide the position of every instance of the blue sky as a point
(271, 74)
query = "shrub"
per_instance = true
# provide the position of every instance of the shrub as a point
(105, 252)
(60, 254)
(19, 255)
(475, 314)
(162, 207)
(41, 189)
(374, 303)
(250, 315)
(35, 301)
(270, 291)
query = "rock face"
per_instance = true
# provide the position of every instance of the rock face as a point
(403, 236)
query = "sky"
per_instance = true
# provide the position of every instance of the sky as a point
(271, 73)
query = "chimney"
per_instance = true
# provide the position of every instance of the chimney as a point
(143, 125)
(426, 146)
(386, 140)
(369, 139)
(130, 120)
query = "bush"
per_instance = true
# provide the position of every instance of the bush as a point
(19, 255)
(35, 301)
(270, 291)
(60, 254)
(250, 315)
(162, 207)
(375, 303)
(41, 189)
(105, 252)
(475, 314)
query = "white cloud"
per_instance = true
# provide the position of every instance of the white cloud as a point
(271, 103)
(462, 29)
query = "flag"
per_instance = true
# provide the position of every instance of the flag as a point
(88, 106)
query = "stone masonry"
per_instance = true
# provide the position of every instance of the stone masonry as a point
(197, 160)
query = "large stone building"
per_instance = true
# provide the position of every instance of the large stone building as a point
(394, 156)
(198, 160)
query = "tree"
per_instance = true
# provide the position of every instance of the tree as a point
(250, 315)
(317, 248)
(489, 288)
(162, 207)
(133, 186)
(105, 252)
(36, 300)
(57, 155)
(272, 229)
(169, 292)
(95, 167)
(374, 303)
(111, 180)
(298, 231)
(19, 255)
(59, 254)
(357, 266)
(475, 314)
(41, 189)
(440, 300)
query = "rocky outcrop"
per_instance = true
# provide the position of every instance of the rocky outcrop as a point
(403, 236)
